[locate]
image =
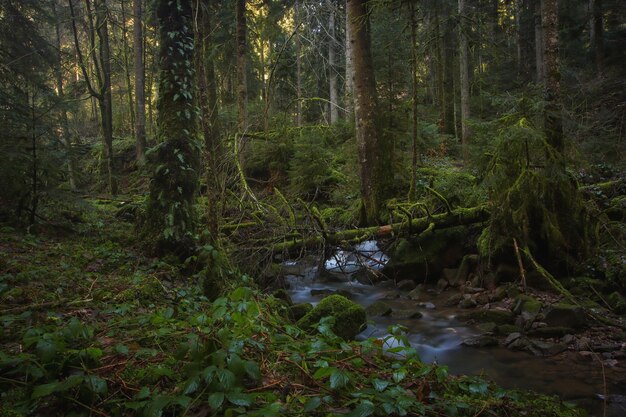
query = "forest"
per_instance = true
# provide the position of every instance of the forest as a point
(312, 208)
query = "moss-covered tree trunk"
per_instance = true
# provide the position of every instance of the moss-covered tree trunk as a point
(169, 216)
(207, 101)
(373, 152)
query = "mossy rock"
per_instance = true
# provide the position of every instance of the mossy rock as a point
(528, 304)
(350, 317)
(496, 316)
(507, 329)
(426, 257)
(282, 295)
(297, 311)
(551, 331)
(378, 309)
(566, 315)
(617, 302)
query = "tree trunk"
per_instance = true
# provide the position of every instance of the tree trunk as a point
(65, 131)
(140, 83)
(207, 101)
(106, 105)
(169, 215)
(349, 88)
(553, 123)
(414, 139)
(242, 88)
(129, 85)
(464, 69)
(448, 73)
(539, 47)
(596, 33)
(373, 153)
(298, 67)
(333, 93)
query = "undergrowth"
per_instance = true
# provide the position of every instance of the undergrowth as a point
(92, 327)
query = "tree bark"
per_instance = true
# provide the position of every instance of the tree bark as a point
(373, 151)
(298, 66)
(414, 138)
(349, 87)
(169, 219)
(127, 71)
(65, 131)
(140, 83)
(464, 69)
(596, 33)
(458, 217)
(207, 101)
(333, 93)
(448, 73)
(539, 47)
(553, 123)
(242, 88)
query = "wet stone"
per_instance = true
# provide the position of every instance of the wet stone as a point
(406, 285)
(378, 309)
(481, 341)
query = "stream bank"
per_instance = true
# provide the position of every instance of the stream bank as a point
(531, 340)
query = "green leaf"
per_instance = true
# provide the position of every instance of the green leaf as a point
(46, 389)
(156, 406)
(240, 399)
(143, 393)
(226, 378)
(324, 372)
(216, 400)
(380, 385)
(252, 370)
(96, 384)
(399, 375)
(192, 385)
(364, 409)
(339, 379)
(121, 349)
(312, 404)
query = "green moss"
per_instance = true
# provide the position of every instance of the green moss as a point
(349, 316)
(297, 311)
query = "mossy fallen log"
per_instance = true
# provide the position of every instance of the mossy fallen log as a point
(457, 217)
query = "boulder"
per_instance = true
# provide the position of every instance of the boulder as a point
(506, 273)
(427, 305)
(378, 309)
(542, 348)
(297, 311)
(323, 292)
(282, 295)
(453, 300)
(550, 331)
(495, 316)
(512, 338)
(442, 284)
(480, 341)
(406, 314)
(415, 294)
(527, 304)
(488, 327)
(499, 294)
(368, 276)
(332, 276)
(406, 285)
(507, 329)
(565, 315)
(350, 317)
(468, 264)
(467, 302)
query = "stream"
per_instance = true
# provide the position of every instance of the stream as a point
(437, 335)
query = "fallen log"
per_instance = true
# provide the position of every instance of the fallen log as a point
(457, 217)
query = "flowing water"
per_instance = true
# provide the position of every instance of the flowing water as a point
(438, 336)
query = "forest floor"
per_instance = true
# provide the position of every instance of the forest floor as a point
(92, 326)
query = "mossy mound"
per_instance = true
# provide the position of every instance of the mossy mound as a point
(349, 316)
